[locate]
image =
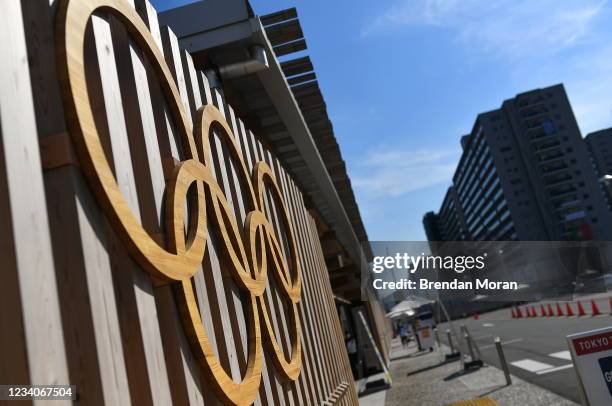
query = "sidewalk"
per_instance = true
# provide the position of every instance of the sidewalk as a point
(424, 379)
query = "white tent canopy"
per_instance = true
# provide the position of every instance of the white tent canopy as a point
(407, 307)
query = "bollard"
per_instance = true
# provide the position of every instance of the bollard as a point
(502, 360)
(475, 361)
(437, 337)
(470, 339)
(470, 348)
(454, 354)
(450, 341)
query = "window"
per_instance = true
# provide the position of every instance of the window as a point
(549, 127)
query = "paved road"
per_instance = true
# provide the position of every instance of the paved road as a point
(535, 348)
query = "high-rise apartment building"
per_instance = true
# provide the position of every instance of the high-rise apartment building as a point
(525, 174)
(600, 147)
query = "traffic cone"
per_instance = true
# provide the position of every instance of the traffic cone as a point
(581, 311)
(559, 310)
(543, 311)
(519, 313)
(594, 308)
(513, 313)
(568, 310)
(550, 310)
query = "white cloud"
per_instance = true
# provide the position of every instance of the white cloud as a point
(395, 172)
(542, 42)
(509, 28)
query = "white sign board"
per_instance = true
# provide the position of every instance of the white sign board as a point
(592, 356)
(425, 331)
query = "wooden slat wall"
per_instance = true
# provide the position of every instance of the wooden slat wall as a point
(82, 310)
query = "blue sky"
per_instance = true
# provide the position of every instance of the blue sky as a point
(404, 79)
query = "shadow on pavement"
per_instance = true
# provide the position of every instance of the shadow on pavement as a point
(373, 387)
(429, 368)
(461, 373)
(412, 355)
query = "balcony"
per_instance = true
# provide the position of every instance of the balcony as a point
(554, 169)
(558, 182)
(550, 157)
(556, 195)
(530, 105)
(536, 134)
(536, 115)
(576, 215)
(547, 146)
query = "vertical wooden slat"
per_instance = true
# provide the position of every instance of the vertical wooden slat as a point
(306, 378)
(31, 339)
(309, 376)
(272, 162)
(335, 339)
(140, 324)
(89, 317)
(265, 393)
(183, 372)
(240, 210)
(173, 57)
(273, 300)
(192, 379)
(277, 389)
(320, 272)
(315, 311)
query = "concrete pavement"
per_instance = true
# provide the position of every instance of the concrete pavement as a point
(424, 379)
(535, 348)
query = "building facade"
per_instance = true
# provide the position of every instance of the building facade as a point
(600, 147)
(526, 174)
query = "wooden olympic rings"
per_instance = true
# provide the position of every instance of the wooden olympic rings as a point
(249, 254)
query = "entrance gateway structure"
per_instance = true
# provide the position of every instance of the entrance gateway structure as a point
(155, 250)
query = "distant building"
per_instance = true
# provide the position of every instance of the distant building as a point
(600, 147)
(525, 174)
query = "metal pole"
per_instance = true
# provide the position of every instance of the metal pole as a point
(470, 348)
(470, 339)
(437, 337)
(452, 329)
(502, 360)
(450, 341)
